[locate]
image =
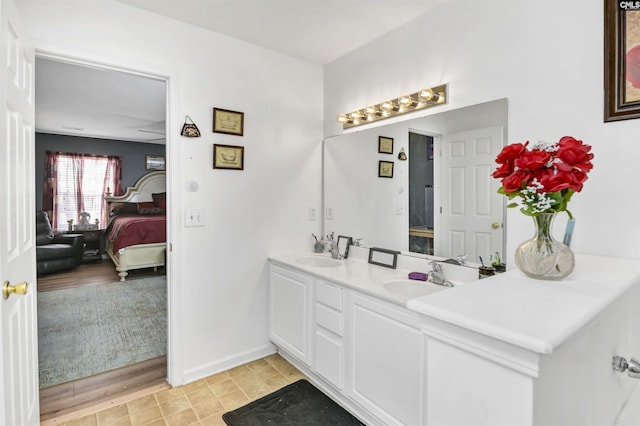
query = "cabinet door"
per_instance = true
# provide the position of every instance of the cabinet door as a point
(329, 357)
(386, 360)
(289, 312)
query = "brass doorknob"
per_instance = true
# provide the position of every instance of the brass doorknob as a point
(495, 225)
(9, 289)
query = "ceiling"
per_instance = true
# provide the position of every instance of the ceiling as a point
(90, 102)
(97, 103)
(324, 29)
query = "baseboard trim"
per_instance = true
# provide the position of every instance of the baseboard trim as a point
(225, 364)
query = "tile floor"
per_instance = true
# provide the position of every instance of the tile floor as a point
(202, 402)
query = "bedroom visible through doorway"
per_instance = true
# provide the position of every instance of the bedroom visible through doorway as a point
(88, 110)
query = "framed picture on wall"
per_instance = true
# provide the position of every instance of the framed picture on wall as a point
(385, 169)
(229, 122)
(228, 157)
(154, 162)
(385, 145)
(622, 60)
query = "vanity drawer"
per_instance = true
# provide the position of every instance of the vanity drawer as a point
(329, 319)
(329, 294)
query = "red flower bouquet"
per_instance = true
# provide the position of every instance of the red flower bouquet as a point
(544, 177)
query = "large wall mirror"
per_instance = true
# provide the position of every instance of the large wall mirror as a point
(441, 200)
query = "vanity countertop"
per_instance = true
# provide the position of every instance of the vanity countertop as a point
(355, 272)
(534, 314)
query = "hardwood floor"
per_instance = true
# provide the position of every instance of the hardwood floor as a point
(78, 395)
(90, 273)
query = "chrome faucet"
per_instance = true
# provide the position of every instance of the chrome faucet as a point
(335, 252)
(437, 276)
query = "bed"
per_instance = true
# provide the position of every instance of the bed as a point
(136, 232)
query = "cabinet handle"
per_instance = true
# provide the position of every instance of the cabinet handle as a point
(632, 366)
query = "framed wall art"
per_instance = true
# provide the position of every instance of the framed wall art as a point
(385, 145)
(154, 162)
(228, 157)
(385, 169)
(229, 122)
(622, 60)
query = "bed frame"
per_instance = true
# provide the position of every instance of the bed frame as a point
(141, 255)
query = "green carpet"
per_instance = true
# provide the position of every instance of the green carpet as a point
(91, 329)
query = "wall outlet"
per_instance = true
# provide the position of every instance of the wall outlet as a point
(313, 213)
(193, 217)
(329, 213)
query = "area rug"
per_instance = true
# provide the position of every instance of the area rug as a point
(299, 403)
(91, 329)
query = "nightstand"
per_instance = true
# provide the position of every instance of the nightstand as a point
(94, 243)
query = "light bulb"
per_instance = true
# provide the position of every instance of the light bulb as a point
(386, 106)
(342, 118)
(404, 101)
(426, 94)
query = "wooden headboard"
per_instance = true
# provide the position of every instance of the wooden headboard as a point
(151, 183)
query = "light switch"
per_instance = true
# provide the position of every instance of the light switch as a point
(193, 217)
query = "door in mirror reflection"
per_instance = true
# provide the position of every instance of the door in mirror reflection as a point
(472, 209)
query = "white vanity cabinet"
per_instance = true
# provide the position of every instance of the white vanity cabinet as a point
(328, 333)
(365, 352)
(290, 311)
(386, 363)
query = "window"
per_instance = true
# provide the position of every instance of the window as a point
(77, 183)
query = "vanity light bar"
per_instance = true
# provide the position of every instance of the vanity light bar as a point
(423, 98)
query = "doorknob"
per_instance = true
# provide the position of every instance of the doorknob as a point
(495, 225)
(9, 289)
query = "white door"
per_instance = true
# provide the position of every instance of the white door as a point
(472, 210)
(18, 330)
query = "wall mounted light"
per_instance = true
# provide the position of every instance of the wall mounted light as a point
(423, 98)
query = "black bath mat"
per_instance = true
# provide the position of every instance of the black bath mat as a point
(299, 403)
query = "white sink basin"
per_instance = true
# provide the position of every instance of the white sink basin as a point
(411, 288)
(319, 261)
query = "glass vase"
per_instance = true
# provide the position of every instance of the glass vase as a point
(542, 257)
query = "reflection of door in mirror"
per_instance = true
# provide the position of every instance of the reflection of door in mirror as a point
(472, 209)
(421, 193)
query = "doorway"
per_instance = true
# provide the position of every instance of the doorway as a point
(421, 193)
(89, 108)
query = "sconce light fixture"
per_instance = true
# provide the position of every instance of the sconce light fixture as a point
(423, 98)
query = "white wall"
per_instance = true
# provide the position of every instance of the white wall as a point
(546, 57)
(219, 270)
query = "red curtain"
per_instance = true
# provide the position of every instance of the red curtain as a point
(76, 183)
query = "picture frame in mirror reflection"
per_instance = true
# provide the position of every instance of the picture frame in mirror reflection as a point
(228, 157)
(385, 145)
(385, 169)
(343, 245)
